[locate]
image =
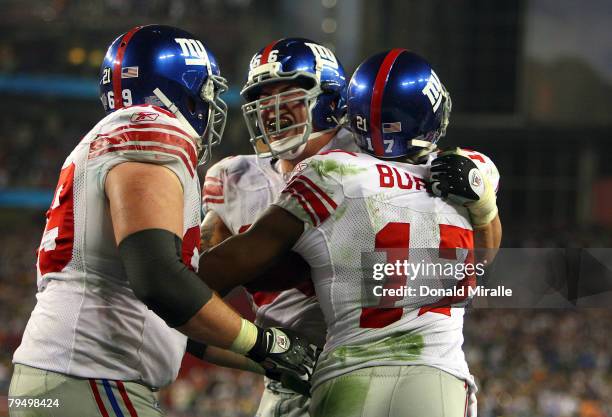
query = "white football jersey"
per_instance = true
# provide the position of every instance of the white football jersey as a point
(358, 211)
(87, 322)
(239, 189)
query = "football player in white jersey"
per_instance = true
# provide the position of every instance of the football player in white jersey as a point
(118, 292)
(387, 353)
(296, 100)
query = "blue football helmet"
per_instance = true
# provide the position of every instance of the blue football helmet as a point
(167, 67)
(397, 105)
(320, 85)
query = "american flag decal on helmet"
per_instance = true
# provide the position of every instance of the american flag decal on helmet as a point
(129, 72)
(394, 127)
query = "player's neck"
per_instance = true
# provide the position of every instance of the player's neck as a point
(312, 148)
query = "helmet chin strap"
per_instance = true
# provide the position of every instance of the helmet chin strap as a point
(427, 148)
(174, 110)
(297, 152)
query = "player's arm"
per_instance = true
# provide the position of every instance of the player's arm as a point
(214, 231)
(457, 177)
(222, 357)
(228, 359)
(146, 206)
(488, 237)
(243, 257)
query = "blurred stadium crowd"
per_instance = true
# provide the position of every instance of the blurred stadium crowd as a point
(540, 363)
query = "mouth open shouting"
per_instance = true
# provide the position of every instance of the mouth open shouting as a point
(279, 127)
(279, 121)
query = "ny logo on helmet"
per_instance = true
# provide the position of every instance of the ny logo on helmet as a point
(433, 91)
(323, 55)
(193, 51)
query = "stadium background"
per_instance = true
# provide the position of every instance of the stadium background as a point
(531, 82)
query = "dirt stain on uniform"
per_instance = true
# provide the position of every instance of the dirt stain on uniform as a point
(328, 166)
(404, 346)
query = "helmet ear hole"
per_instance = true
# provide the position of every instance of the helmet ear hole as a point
(191, 104)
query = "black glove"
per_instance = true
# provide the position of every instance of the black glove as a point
(282, 350)
(456, 177)
(289, 380)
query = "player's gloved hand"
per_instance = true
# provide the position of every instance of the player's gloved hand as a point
(282, 350)
(289, 380)
(456, 177)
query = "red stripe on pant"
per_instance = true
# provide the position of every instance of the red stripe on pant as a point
(126, 399)
(467, 397)
(96, 394)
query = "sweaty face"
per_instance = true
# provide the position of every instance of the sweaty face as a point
(283, 110)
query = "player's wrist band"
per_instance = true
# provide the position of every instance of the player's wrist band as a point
(483, 211)
(483, 219)
(195, 348)
(246, 339)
